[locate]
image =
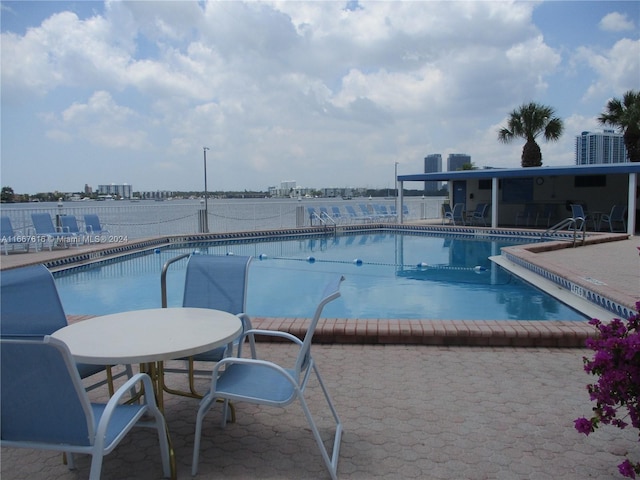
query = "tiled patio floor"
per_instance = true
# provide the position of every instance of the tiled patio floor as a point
(423, 412)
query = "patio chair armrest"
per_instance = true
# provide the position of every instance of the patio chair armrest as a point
(114, 401)
(273, 333)
(250, 334)
(225, 362)
(246, 321)
(270, 333)
(126, 387)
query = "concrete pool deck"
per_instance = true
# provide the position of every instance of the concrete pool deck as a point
(409, 411)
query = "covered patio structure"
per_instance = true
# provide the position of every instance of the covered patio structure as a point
(550, 190)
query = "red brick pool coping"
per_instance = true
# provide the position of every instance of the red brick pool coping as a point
(478, 333)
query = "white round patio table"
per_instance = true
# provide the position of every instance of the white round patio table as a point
(150, 335)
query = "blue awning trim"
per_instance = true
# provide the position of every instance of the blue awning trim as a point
(488, 173)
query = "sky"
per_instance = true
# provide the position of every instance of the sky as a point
(324, 93)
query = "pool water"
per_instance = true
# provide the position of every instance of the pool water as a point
(387, 275)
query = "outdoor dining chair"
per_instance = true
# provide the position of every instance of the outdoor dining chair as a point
(211, 281)
(31, 307)
(45, 407)
(479, 214)
(262, 382)
(618, 216)
(457, 214)
(581, 217)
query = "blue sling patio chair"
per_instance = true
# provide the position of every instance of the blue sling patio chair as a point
(355, 216)
(447, 213)
(617, 216)
(211, 281)
(11, 237)
(93, 227)
(581, 217)
(69, 224)
(45, 407)
(457, 214)
(337, 214)
(46, 232)
(262, 382)
(30, 307)
(479, 214)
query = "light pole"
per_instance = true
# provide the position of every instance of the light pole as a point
(206, 196)
(395, 183)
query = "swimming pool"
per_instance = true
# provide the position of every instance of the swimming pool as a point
(388, 275)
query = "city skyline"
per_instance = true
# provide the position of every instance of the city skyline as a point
(329, 93)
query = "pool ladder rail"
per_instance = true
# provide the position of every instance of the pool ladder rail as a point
(326, 220)
(570, 224)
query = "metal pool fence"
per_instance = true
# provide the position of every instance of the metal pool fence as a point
(143, 219)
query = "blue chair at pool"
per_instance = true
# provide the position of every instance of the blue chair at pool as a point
(93, 227)
(69, 224)
(211, 281)
(337, 214)
(617, 216)
(11, 237)
(581, 217)
(45, 407)
(31, 307)
(261, 382)
(48, 233)
(355, 216)
(479, 214)
(457, 214)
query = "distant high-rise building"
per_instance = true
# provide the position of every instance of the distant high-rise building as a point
(600, 147)
(432, 164)
(122, 191)
(455, 161)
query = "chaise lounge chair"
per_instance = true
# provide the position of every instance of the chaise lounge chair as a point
(69, 224)
(93, 227)
(47, 233)
(11, 237)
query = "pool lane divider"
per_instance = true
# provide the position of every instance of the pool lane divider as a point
(359, 262)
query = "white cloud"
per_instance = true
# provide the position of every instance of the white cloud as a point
(616, 22)
(617, 69)
(281, 90)
(100, 121)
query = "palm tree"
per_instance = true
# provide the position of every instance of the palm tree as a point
(528, 121)
(625, 115)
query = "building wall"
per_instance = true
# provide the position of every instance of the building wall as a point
(600, 147)
(122, 191)
(432, 164)
(555, 191)
(455, 161)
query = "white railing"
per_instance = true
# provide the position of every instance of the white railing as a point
(135, 220)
